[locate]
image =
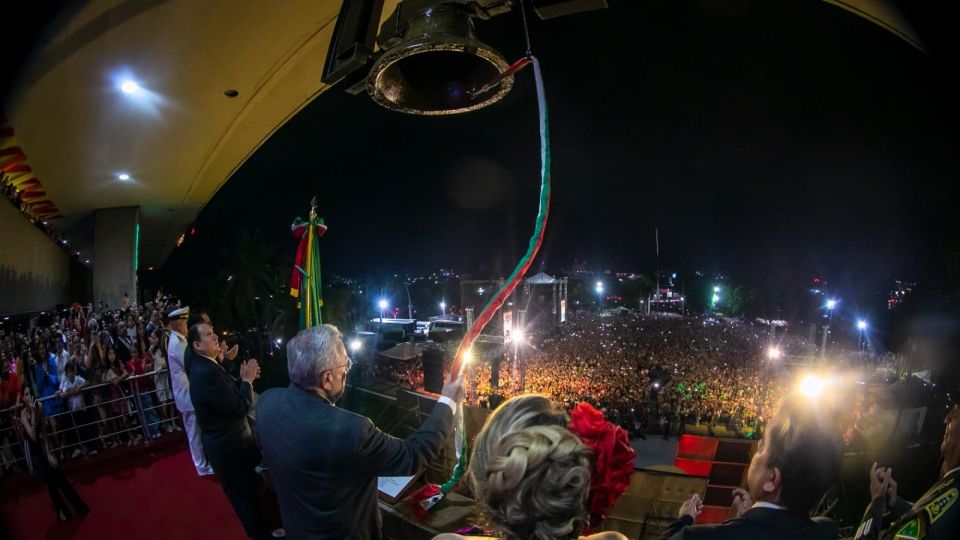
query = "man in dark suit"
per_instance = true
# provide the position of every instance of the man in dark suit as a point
(797, 460)
(324, 461)
(221, 406)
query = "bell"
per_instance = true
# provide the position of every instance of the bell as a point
(439, 65)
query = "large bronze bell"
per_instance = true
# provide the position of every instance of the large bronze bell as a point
(438, 65)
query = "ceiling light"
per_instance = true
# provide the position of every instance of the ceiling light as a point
(123, 177)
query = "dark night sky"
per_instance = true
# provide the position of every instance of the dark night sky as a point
(773, 140)
(778, 141)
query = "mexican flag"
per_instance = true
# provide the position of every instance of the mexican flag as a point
(305, 283)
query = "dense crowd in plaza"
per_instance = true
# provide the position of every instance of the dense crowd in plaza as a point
(653, 373)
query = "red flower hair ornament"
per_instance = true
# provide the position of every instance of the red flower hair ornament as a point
(613, 459)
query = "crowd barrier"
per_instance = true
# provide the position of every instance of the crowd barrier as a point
(129, 409)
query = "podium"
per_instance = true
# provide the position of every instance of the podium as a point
(652, 501)
(453, 512)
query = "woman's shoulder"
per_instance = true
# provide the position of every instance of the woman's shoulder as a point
(605, 535)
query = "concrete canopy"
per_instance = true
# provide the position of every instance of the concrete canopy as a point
(178, 136)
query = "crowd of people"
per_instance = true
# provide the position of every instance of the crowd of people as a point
(651, 373)
(93, 371)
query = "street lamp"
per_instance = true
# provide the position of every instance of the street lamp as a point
(518, 337)
(831, 305)
(599, 288)
(773, 353)
(382, 304)
(443, 307)
(861, 337)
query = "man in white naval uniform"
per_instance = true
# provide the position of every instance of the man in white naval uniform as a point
(177, 323)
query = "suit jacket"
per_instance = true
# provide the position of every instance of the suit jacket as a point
(324, 462)
(221, 406)
(759, 523)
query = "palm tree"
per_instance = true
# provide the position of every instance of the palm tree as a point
(250, 276)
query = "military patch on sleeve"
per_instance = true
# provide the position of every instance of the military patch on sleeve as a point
(911, 530)
(940, 505)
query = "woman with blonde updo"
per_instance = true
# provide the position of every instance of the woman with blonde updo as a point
(531, 475)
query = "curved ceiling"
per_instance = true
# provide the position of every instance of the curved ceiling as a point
(179, 137)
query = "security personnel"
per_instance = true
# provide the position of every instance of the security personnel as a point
(935, 516)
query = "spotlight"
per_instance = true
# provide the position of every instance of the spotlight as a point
(518, 336)
(812, 386)
(355, 345)
(129, 86)
(861, 324)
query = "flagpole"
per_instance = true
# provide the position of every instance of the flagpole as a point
(656, 232)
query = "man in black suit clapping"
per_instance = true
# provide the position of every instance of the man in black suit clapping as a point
(221, 405)
(797, 460)
(324, 461)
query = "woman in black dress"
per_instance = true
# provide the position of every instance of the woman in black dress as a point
(60, 489)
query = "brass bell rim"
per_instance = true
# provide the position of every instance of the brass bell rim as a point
(428, 45)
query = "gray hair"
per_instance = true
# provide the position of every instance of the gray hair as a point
(311, 352)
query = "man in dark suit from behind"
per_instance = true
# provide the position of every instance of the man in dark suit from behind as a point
(324, 461)
(221, 406)
(797, 460)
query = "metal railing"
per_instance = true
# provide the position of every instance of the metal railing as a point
(129, 408)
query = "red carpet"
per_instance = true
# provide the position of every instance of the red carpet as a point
(144, 493)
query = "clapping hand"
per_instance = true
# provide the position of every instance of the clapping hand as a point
(742, 501)
(250, 370)
(692, 507)
(882, 483)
